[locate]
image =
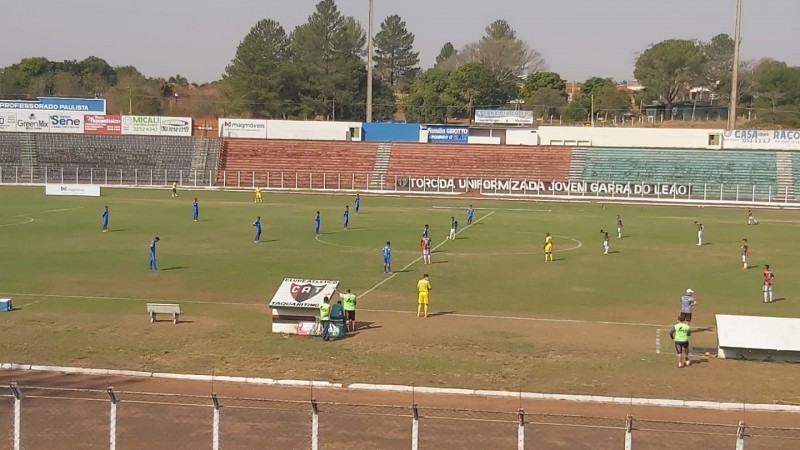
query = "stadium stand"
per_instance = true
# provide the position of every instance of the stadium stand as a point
(697, 167)
(478, 161)
(108, 159)
(283, 163)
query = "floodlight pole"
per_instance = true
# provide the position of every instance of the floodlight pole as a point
(735, 78)
(370, 51)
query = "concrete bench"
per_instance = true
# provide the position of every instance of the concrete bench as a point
(164, 308)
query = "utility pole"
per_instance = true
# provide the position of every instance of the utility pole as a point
(369, 62)
(735, 78)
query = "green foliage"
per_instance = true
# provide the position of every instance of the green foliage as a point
(575, 112)
(670, 67)
(719, 64)
(429, 101)
(546, 102)
(395, 58)
(500, 29)
(257, 80)
(447, 52)
(777, 84)
(543, 80)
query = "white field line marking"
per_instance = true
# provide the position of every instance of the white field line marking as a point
(494, 209)
(419, 258)
(380, 311)
(58, 210)
(29, 219)
(658, 341)
(529, 319)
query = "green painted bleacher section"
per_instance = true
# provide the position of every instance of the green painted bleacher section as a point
(697, 167)
(796, 171)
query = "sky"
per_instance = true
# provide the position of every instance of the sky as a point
(198, 38)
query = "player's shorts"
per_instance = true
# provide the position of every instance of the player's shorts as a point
(768, 288)
(350, 315)
(426, 252)
(548, 248)
(685, 316)
(744, 258)
(681, 347)
(423, 298)
(387, 260)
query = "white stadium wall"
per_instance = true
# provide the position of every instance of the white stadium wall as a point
(314, 131)
(522, 136)
(631, 137)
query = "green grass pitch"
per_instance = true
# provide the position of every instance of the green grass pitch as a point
(81, 293)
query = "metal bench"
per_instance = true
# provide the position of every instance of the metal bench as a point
(164, 308)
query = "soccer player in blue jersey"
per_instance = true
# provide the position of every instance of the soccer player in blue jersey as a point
(317, 221)
(387, 257)
(257, 224)
(470, 213)
(346, 217)
(195, 210)
(357, 203)
(104, 220)
(153, 265)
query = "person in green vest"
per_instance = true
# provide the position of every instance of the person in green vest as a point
(680, 333)
(325, 317)
(350, 301)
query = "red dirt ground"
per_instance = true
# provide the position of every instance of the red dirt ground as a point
(176, 414)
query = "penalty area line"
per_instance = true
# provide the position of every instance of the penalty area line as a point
(382, 282)
(495, 209)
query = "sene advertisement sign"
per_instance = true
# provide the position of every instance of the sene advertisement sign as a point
(66, 123)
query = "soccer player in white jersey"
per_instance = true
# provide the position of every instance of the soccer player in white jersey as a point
(700, 230)
(605, 241)
(745, 253)
(768, 277)
(619, 227)
(425, 243)
(751, 219)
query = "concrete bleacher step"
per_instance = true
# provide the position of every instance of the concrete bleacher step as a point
(29, 157)
(577, 164)
(381, 167)
(785, 174)
(200, 150)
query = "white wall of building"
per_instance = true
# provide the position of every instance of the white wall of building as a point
(493, 140)
(317, 131)
(522, 136)
(631, 137)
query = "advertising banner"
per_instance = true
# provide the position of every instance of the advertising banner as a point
(761, 139)
(102, 124)
(447, 135)
(176, 126)
(505, 117)
(55, 104)
(66, 123)
(302, 293)
(8, 121)
(79, 190)
(243, 128)
(38, 122)
(141, 125)
(507, 186)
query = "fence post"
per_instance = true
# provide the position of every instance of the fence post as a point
(215, 423)
(629, 432)
(314, 425)
(62, 175)
(740, 436)
(17, 415)
(112, 424)
(521, 430)
(105, 177)
(415, 427)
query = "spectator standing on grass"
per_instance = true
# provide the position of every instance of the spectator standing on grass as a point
(104, 220)
(153, 265)
(357, 203)
(680, 333)
(350, 302)
(195, 210)
(317, 223)
(687, 303)
(325, 317)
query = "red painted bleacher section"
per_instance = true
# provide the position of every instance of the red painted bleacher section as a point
(318, 164)
(480, 161)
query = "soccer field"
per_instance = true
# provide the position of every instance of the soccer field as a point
(502, 317)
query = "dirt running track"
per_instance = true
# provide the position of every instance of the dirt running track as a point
(270, 417)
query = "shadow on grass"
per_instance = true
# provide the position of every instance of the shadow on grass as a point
(439, 262)
(753, 267)
(172, 268)
(267, 241)
(441, 313)
(118, 230)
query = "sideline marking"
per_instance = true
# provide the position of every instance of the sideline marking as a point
(419, 258)
(385, 311)
(494, 209)
(658, 341)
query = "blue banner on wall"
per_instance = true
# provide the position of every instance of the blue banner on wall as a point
(448, 135)
(84, 105)
(390, 132)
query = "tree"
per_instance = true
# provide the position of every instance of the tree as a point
(610, 101)
(447, 52)
(328, 51)
(595, 85)
(543, 80)
(395, 57)
(777, 84)
(475, 85)
(509, 57)
(429, 100)
(719, 64)
(546, 102)
(670, 67)
(255, 78)
(574, 112)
